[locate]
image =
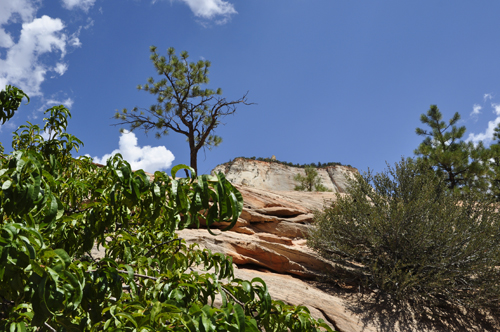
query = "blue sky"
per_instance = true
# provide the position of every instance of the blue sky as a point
(331, 80)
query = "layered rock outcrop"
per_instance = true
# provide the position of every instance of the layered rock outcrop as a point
(270, 232)
(269, 242)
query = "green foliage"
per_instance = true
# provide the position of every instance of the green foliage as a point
(403, 233)
(464, 164)
(494, 174)
(182, 105)
(310, 182)
(10, 100)
(54, 209)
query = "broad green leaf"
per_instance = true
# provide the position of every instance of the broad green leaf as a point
(251, 326)
(240, 317)
(127, 316)
(175, 169)
(6, 185)
(63, 256)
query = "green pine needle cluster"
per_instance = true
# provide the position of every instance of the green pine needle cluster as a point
(464, 164)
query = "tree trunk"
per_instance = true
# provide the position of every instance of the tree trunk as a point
(193, 151)
(194, 160)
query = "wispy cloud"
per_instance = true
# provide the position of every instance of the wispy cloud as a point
(219, 11)
(476, 110)
(61, 68)
(82, 4)
(487, 135)
(68, 103)
(148, 158)
(54, 100)
(487, 96)
(210, 8)
(74, 39)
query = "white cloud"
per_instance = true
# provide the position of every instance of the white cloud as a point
(11, 126)
(11, 11)
(82, 4)
(68, 103)
(90, 23)
(476, 109)
(22, 65)
(487, 135)
(148, 158)
(487, 96)
(53, 101)
(45, 135)
(61, 68)
(5, 39)
(74, 40)
(210, 9)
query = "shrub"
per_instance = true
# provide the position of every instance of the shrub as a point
(403, 233)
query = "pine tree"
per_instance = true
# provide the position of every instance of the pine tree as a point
(462, 163)
(494, 177)
(310, 182)
(182, 105)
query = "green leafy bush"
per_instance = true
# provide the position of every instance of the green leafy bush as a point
(403, 233)
(54, 208)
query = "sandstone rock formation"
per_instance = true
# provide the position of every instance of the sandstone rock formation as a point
(276, 176)
(270, 232)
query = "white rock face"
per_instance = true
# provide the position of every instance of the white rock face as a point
(274, 176)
